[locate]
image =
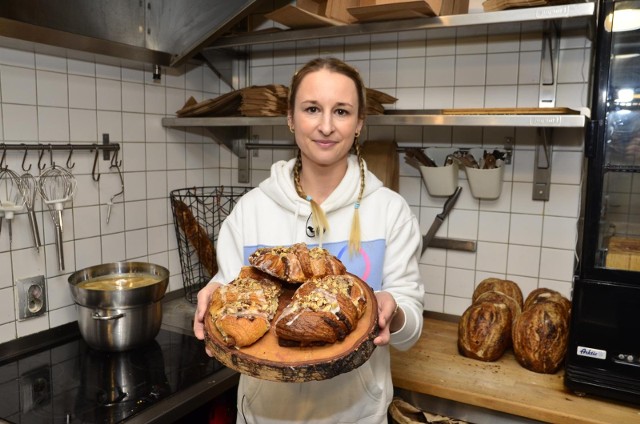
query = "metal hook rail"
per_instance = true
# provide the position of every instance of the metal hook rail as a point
(105, 147)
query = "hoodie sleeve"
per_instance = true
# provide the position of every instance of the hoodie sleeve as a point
(229, 247)
(401, 276)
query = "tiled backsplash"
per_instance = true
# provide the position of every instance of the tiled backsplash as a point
(47, 98)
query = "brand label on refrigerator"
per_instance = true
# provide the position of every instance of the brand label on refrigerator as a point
(592, 353)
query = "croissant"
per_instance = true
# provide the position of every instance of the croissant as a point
(242, 310)
(321, 311)
(297, 263)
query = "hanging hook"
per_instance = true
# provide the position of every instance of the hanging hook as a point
(24, 158)
(53, 164)
(114, 160)
(4, 156)
(70, 165)
(96, 177)
(40, 159)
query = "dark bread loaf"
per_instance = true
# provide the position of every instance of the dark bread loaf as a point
(197, 236)
(543, 294)
(540, 336)
(499, 297)
(507, 287)
(484, 331)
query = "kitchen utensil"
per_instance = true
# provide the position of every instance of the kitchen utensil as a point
(11, 196)
(57, 185)
(30, 189)
(119, 319)
(120, 193)
(439, 219)
(452, 244)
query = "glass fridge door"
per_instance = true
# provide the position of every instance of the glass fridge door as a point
(619, 241)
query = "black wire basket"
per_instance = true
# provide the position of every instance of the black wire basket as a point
(198, 213)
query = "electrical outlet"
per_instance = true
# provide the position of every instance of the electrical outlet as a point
(32, 297)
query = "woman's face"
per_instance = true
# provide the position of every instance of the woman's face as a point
(325, 117)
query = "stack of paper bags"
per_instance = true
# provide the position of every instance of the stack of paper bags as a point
(264, 100)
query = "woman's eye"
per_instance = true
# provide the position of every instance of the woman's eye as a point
(342, 112)
(312, 109)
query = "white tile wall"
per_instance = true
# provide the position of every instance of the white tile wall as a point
(528, 241)
(50, 99)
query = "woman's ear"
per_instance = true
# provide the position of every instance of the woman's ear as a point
(290, 121)
(359, 126)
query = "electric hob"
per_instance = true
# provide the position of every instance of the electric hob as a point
(70, 382)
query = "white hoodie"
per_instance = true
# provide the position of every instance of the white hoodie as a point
(274, 215)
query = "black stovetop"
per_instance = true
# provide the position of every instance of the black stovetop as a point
(72, 383)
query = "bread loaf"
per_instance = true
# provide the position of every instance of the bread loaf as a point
(540, 336)
(297, 263)
(499, 297)
(197, 236)
(484, 331)
(508, 287)
(544, 294)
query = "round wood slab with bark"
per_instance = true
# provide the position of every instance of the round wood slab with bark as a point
(267, 360)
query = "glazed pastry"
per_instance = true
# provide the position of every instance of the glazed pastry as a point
(242, 310)
(297, 263)
(321, 311)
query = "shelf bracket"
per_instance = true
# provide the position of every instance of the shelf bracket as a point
(549, 65)
(542, 166)
(229, 65)
(235, 139)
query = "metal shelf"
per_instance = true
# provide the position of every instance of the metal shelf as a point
(546, 13)
(399, 119)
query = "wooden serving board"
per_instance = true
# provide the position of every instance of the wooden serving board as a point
(267, 360)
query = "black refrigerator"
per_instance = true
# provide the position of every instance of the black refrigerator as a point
(603, 357)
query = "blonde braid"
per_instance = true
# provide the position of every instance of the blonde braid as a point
(319, 218)
(355, 235)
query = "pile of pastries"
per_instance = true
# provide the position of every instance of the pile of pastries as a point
(325, 307)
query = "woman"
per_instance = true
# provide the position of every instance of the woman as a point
(327, 197)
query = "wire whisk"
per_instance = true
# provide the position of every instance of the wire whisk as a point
(11, 196)
(30, 190)
(57, 186)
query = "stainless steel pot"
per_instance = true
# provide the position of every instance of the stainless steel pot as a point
(119, 320)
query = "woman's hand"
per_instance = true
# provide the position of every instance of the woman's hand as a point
(388, 318)
(204, 297)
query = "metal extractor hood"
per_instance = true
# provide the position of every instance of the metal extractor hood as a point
(161, 32)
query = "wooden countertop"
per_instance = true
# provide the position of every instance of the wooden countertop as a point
(434, 367)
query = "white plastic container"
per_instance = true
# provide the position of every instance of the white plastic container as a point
(485, 183)
(440, 180)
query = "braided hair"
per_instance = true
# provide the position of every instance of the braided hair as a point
(320, 222)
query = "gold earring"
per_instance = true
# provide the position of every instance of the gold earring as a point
(292, 130)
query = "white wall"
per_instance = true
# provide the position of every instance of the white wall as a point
(48, 98)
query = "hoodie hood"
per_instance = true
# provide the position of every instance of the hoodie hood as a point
(279, 187)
